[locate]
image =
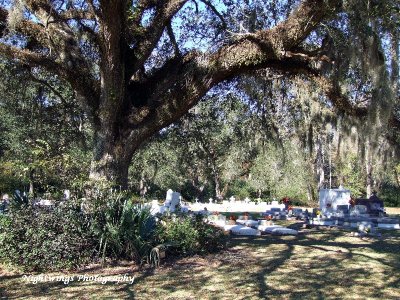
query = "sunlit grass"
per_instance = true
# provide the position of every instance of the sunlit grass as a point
(317, 264)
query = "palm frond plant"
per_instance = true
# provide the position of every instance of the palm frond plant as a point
(124, 229)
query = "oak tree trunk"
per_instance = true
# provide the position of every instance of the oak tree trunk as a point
(110, 161)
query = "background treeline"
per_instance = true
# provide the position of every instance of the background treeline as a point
(259, 137)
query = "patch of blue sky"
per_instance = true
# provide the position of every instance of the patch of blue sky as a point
(6, 3)
(14, 40)
(178, 23)
(387, 50)
(147, 17)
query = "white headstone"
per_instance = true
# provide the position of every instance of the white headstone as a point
(232, 199)
(210, 200)
(67, 194)
(168, 197)
(172, 200)
(275, 203)
(333, 198)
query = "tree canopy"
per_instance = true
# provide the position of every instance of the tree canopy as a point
(137, 66)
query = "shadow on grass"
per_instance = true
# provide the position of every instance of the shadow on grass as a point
(331, 269)
(316, 264)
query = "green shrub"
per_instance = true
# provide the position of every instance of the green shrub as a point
(241, 189)
(4, 222)
(122, 229)
(39, 239)
(108, 225)
(390, 194)
(210, 239)
(180, 232)
(189, 235)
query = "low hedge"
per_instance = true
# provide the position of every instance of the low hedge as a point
(38, 239)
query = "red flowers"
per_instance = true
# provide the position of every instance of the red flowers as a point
(232, 217)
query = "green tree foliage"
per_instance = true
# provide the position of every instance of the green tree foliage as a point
(44, 143)
(138, 66)
(296, 86)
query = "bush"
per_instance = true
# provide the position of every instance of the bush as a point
(123, 229)
(41, 239)
(241, 189)
(108, 225)
(390, 194)
(189, 235)
(211, 239)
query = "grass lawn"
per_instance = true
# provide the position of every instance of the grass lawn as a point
(317, 264)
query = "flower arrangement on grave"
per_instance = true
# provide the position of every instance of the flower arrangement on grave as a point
(232, 220)
(268, 217)
(246, 216)
(287, 202)
(352, 202)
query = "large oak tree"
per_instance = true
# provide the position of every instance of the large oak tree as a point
(105, 50)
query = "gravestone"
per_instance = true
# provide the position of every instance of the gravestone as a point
(374, 205)
(343, 208)
(333, 197)
(359, 210)
(275, 203)
(67, 194)
(172, 200)
(297, 212)
(4, 203)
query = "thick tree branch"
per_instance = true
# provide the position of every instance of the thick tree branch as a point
(32, 59)
(173, 39)
(147, 39)
(340, 102)
(171, 96)
(82, 83)
(71, 67)
(216, 12)
(300, 23)
(33, 32)
(62, 38)
(77, 14)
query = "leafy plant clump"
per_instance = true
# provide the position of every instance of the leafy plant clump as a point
(38, 239)
(188, 235)
(123, 229)
(105, 225)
